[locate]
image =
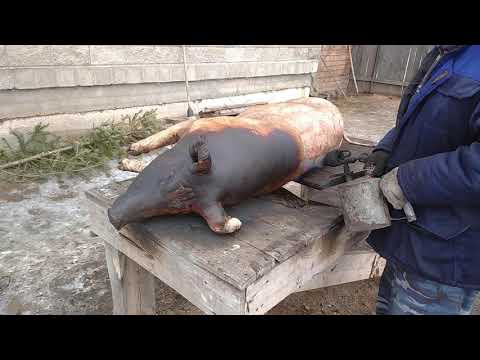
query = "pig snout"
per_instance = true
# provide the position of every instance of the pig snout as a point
(114, 220)
(123, 211)
(134, 206)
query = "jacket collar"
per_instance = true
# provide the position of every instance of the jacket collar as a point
(438, 76)
(447, 49)
(413, 98)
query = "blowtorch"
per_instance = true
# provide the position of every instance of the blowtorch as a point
(363, 205)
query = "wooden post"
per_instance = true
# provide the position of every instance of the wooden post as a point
(377, 52)
(353, 69)
(406, 70)
(133, 288)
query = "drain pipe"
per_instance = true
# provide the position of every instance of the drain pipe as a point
(189, 111)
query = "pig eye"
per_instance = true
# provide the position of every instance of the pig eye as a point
(168, 178)
(168, 182)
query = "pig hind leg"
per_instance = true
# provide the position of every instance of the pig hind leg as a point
(163, 138)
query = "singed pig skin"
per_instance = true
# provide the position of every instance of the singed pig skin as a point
(225, 160)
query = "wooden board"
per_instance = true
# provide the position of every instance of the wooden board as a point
(354, 265)
(298, 270)
(227, 110)
(133, 289)
(275, 227)
(206, 291)
(281, 225)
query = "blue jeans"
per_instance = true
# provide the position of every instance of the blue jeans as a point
(404, 293)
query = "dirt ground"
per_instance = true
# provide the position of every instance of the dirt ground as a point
(368, 117)
(50, 262)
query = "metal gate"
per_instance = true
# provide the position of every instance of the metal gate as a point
(393, 65)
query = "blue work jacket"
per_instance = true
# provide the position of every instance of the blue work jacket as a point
(436, 147)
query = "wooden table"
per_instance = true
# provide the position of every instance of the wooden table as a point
(285, 245)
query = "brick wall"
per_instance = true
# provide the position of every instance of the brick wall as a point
(335, 74)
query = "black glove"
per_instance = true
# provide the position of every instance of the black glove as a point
(379, 160)
(334, 158)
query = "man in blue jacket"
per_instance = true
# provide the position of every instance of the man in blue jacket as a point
(431, 158)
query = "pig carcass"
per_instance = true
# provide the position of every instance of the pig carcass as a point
(221, 161)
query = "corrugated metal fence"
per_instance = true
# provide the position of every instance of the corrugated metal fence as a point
(387, 68)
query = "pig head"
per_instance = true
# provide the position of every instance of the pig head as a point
(176, 182)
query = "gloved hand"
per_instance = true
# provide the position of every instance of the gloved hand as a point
(392, 190)
(378, 159)
(333, 158)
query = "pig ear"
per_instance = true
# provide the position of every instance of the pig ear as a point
(200, 156)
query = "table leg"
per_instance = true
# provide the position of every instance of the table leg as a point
(133, 288)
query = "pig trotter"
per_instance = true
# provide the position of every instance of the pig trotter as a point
(232, 225)
(131, 165)
(219, 221)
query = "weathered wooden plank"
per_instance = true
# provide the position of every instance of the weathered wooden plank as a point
(328, 196)
(352, 266)
(296, 189)
(283, 226)
(227, 110)
(275, 227)
(133, 288)
(293, 273)
(227, 256)
(203, 289)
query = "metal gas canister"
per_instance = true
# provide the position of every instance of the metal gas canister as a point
(363, 205)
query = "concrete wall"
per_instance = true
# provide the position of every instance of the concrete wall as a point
(335, 73)
(71, 86)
